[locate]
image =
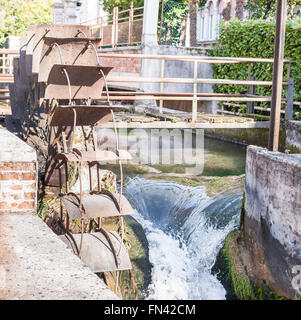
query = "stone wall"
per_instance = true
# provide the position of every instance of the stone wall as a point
(272, 218)
(293, 135)
(18, 175)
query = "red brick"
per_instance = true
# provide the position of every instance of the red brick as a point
(5, 205)
(30, 187)
(27, 176)
(10, 196)
(9, 176)
(26, 205)
(16, 187)
(29, 196)
(17, 166)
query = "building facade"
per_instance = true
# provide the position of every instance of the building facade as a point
(77, 12)
(208, 19)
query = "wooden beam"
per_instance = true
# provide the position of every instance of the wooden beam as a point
(190, 58)
(162, 84)
(195, 99)
(277, 75)
(191, 81)
(186, 125)
(185, 98)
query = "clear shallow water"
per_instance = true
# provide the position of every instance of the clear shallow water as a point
(223, 158)
(220, 158)
(185, 229)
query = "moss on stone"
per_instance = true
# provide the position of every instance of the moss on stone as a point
(242, 212)
(232, 272)
(242, 286)
(213, 185)
(133, 284)
(293, 149)
(129, 170)
(139, 255)
(258, 117)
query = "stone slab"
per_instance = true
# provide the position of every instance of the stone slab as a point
(36, 265)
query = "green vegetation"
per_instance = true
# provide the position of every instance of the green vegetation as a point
(255, 39)
(241, 284)
(237, 280)
(17, 15)
(109, 5)
(267, 8)
(174, 14)
(292, 149)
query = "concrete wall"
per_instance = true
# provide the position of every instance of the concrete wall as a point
(293, 134)
(180, 69)
(134, 67)
(18, 175)
(272, 221)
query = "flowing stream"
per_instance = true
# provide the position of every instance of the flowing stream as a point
(185, 230)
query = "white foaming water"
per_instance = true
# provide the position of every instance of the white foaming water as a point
(170, 262)
(180, 224)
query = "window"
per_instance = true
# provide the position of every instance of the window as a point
(211, 26)
(202, 25)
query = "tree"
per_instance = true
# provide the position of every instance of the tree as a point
(109, 5)
(17, 15)
(174, 13)
(267, 8)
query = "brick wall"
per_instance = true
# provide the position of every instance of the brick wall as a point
(128, 65)
(18, 175)
(124, 65)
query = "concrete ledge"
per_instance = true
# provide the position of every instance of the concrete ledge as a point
(36, 265)
(273, 217)
(14, 149)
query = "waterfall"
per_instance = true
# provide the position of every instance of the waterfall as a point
(185, 229)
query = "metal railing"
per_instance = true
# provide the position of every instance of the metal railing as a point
(194, 96)
(6, 75)
(6, 64)
(120, 28)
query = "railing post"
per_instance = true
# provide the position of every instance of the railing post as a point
(113, 27)
(277, 75)
(161, 22)
(162, 83)
(289, 100)
(101, 28)
(195, 86)
(116, 26)
(251, 91)
(131, 22)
